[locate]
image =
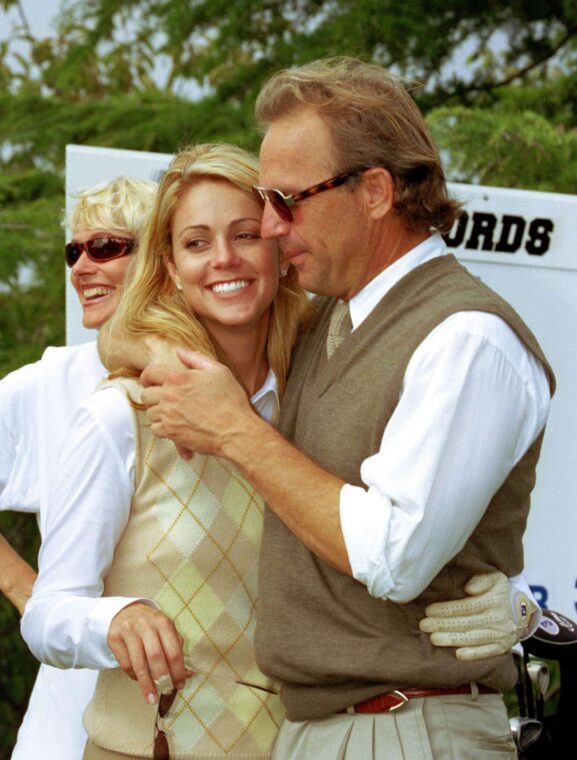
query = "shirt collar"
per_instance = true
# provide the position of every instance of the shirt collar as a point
(366, 299)
(266, 400)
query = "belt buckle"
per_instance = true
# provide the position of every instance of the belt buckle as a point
(403, 697)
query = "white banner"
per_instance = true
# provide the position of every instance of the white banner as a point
(524, 245)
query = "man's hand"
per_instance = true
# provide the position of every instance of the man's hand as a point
(148, 648)
(205, 409)
(198, 407)
(485, 624)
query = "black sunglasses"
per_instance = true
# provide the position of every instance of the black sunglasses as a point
(160, 749)
(283, 204)
(99, 249)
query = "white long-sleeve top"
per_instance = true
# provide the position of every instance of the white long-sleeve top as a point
(471, 374)
(66, 621)
(36, 404)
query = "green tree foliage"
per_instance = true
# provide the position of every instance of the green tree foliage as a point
(497, 84)
(508, 139)
(230, 46)
(17, 666)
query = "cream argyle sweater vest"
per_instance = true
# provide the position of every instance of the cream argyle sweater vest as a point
(192, 545)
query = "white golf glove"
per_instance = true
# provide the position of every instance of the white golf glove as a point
(487, 623)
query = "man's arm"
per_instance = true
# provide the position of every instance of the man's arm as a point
(473, 401)
(16, 576)
(305, 496)
(426, 470)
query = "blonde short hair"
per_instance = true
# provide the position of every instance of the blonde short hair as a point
(123, 204)
(374, 122)
(152, 305)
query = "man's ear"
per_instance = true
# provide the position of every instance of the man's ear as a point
(379, 191)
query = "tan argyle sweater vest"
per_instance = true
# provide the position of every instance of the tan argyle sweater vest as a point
(192, 545)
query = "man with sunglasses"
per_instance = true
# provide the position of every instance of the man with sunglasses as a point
(37, 402)
(416, 404)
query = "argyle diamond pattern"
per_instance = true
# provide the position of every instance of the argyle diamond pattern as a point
(206, 561)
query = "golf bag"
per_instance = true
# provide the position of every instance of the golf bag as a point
(539, 737)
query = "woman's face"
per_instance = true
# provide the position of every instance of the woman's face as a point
(98, 284)
(229, 274)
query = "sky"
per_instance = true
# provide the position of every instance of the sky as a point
(39, 14)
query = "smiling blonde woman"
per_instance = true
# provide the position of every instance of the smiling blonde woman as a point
(152, 563)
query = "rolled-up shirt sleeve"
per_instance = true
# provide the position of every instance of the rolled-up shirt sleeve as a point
(66, 621)
(473, 400)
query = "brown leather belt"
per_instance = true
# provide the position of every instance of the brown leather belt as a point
(392, 700)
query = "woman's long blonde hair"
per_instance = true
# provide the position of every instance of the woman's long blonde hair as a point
(152, 305)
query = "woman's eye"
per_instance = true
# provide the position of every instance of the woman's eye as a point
(247, 236)
(196, 244)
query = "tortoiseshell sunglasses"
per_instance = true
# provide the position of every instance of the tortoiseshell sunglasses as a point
(283, 204)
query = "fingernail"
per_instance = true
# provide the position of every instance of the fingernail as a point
(180, 685)
(151, 699)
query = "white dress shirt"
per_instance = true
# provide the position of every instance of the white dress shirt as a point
(36, 404)
(66, 621)
(473, 400)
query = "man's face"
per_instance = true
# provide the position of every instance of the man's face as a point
(327, 240)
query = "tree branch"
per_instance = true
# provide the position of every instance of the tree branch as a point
(23, 19)
(526, 69)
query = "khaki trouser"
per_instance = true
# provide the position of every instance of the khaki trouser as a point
(456, 727)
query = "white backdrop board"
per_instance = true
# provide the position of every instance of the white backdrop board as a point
(524, 245)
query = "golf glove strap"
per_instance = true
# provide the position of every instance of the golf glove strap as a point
(487, 623)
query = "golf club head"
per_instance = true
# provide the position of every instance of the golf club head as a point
(525, 732)
(539, 675)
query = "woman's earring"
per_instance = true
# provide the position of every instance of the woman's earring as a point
(178, 284)
(284, 270)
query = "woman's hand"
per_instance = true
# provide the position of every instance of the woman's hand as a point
(16, 576)
(148, 647)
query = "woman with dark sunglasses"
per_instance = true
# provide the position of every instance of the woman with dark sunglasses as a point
(150, 562)
(98, 253)
(36, 404)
